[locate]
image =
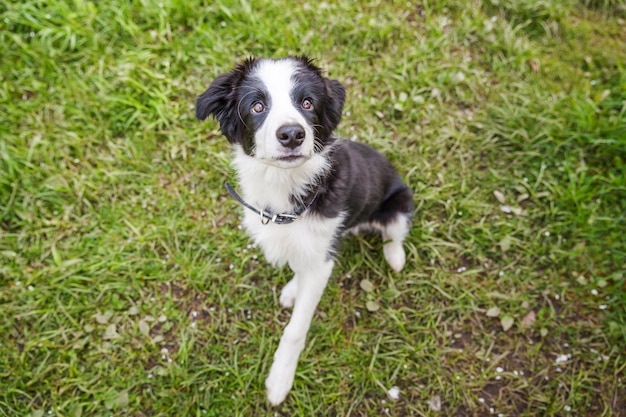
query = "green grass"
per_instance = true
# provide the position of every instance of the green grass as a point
(128, 288)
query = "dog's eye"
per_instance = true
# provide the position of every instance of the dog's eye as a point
(258, 107)
(307, 104)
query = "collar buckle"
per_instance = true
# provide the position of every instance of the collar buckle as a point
(266, 218)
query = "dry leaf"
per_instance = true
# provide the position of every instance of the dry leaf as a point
(103, 318)
(528, 320)
(505, 244)
(493, 312)
(80, 343)
(144, 328)
(110, 333)
(499, 196)
(366, 285)
(122, 400)
(372, 306)
(518, 211)
(506, 322)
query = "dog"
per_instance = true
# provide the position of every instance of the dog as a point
(301, 187)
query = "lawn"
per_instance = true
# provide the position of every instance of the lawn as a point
(128, 288)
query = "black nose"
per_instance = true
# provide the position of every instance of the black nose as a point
(290, 136)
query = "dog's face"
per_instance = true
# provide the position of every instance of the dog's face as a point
(279, 111)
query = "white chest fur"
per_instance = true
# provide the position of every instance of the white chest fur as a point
(303, 243)
(307, 240)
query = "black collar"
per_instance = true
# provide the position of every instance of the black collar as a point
(278, 218)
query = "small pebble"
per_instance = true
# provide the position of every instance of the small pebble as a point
(394, 393)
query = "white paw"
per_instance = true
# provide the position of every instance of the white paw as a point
(278, 384)
(395, 256)
(288, 294)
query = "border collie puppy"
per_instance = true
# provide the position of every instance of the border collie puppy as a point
(301, 187)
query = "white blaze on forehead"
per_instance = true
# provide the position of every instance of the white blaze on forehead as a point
(276, 76)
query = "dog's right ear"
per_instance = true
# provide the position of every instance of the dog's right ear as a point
(214, 101)
(219, 100)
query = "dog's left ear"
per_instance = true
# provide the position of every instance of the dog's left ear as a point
(337, 96)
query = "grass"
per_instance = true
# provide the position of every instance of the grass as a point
(128, 288)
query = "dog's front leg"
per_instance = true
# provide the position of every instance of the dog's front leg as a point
(311, 282)
(289, 292)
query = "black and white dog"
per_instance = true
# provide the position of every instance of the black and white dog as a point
(302, 187)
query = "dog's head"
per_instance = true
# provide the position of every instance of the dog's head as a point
(279, 111)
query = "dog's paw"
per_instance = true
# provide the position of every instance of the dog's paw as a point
(288, 294)
(395, 256)
(278, 385)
